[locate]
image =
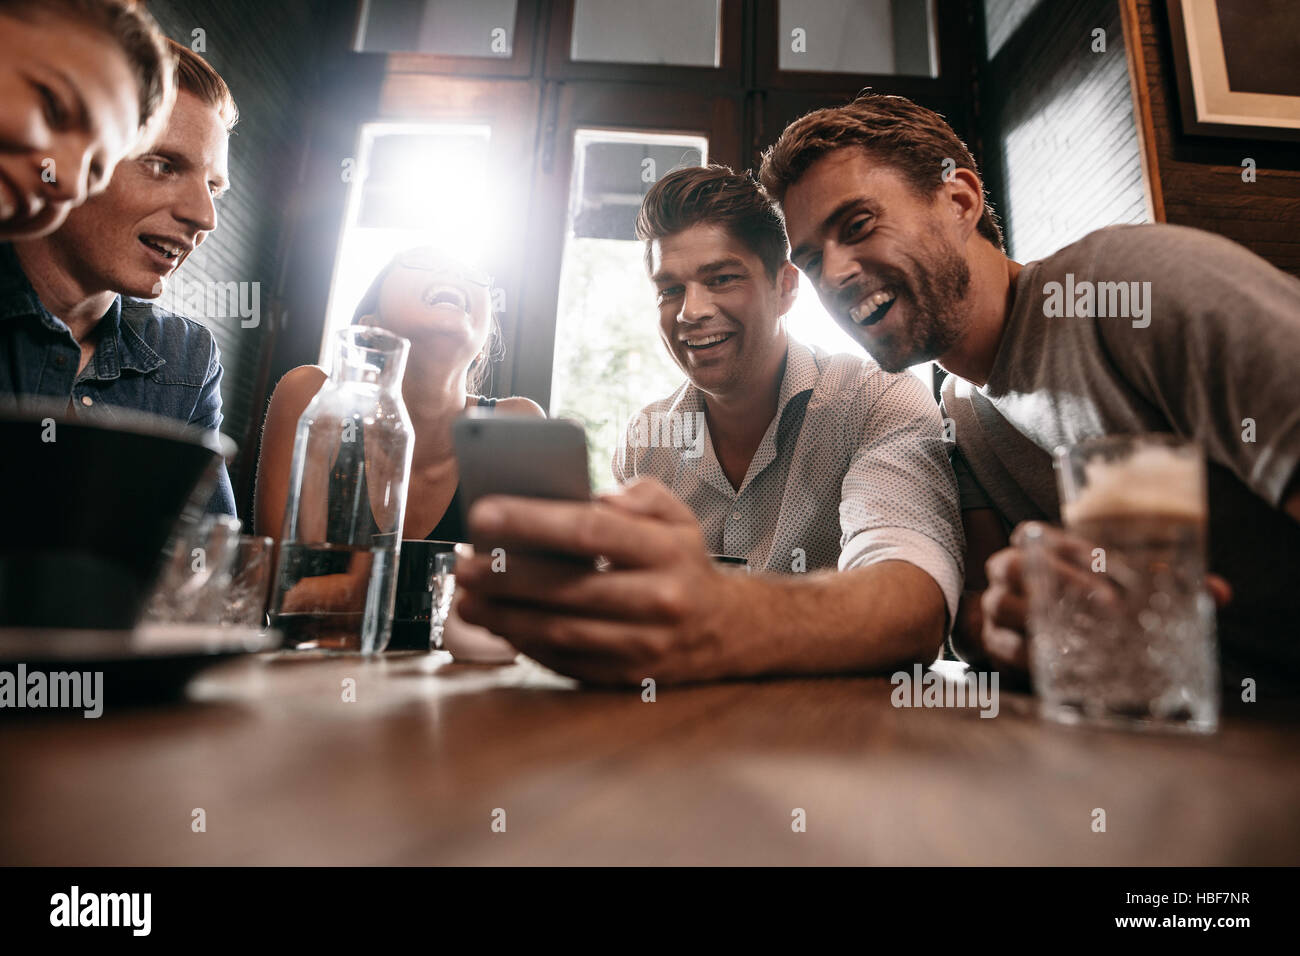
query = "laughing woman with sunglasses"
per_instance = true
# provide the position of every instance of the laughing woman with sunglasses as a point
(444, 308)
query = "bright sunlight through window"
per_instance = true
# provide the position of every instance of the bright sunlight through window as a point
(413, 184)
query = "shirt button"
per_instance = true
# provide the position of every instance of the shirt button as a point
(87, 400)
(735, 516)
(60, 361)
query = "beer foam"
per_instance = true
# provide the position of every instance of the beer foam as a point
(1154, 480)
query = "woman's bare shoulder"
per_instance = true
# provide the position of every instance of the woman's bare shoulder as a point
(295, 390)
(303, 378)
(518, 405)
(300, 384)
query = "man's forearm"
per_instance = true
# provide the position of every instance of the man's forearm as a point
(864, 619)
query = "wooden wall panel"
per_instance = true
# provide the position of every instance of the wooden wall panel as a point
(1201, 177)
(266, 54)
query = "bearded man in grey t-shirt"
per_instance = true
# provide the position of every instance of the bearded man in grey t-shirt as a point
(1131, 329)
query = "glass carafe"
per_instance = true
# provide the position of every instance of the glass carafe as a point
(335, 575)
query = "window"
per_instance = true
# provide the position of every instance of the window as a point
(893, 37)
(609, 361)
(465, 28)
(667, 32)
(414, 184)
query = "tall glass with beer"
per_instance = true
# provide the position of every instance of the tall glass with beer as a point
(1121, 624)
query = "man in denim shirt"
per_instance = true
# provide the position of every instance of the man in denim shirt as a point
(73, 323)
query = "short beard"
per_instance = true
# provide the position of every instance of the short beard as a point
(936, 293)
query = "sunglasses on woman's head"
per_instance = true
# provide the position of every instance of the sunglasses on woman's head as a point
(426, 260)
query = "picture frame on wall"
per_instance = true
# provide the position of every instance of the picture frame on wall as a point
(1238, 67)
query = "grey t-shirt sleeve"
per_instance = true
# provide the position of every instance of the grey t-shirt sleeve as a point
(1218, 350)
(970, 492)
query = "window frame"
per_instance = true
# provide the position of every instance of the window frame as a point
(952, 27)
(518, 64)
(728, 72)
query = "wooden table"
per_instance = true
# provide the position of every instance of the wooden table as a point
(415, 769)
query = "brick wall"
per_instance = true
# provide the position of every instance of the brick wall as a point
(1062, 153)
(1201, 177)
(266, 53)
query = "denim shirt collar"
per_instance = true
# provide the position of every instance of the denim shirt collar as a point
(17, 297)
(120, 344)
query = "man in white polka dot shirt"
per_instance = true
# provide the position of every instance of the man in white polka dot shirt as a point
(793, 459)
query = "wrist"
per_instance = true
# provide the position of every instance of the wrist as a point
(734, 624)
(968, 629)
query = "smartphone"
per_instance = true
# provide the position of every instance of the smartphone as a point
(518, 455)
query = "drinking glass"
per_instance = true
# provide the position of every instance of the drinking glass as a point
(250, 583)
(193, 586)
(414, 617)
(1120, 622)
(443, 587)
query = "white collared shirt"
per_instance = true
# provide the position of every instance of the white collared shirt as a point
(852, 470)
